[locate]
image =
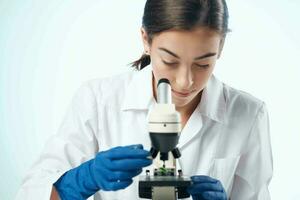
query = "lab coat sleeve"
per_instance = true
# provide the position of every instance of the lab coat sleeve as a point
(255, 168)
(74, 143)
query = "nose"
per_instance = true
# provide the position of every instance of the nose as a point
(184, 79)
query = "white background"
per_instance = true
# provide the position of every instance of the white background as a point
(48, 48)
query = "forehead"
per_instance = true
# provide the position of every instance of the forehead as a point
(199, 39)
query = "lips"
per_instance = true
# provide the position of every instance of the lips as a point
(181, 94)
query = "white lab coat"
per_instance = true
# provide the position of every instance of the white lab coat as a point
(226, 137)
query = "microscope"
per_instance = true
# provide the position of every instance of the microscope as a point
(164, 125)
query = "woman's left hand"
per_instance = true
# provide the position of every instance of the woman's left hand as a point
(206, 188)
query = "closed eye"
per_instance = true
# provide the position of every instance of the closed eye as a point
(203, 66)
(175, 63)
(169, 63)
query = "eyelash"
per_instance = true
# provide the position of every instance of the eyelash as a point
(172, 64)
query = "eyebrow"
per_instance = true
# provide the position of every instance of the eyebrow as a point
(197, 58)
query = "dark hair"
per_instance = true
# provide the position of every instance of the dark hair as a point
(162, 15)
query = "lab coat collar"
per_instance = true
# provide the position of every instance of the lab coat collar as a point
(139, 95)
(213, 101)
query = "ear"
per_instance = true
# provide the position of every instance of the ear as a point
(221, 45)
(145, 40)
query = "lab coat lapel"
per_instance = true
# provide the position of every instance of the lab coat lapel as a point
(192, 127)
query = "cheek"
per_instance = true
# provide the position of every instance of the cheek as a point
(200, 79)
(161, 72)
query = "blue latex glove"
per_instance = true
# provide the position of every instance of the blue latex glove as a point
(206, 188)
(110, 170)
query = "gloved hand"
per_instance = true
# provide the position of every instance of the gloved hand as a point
(206, 188)
(110, 170)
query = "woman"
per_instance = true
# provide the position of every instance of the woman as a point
(224, 142)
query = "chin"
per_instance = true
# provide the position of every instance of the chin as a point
(181, 103)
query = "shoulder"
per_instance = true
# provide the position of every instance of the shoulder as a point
(242, 105)
(108, 89)
(239, 98)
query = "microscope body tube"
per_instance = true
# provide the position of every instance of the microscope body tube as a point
(164, 122)
(164, 95)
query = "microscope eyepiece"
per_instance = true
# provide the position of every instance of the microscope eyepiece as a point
(163, 80)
